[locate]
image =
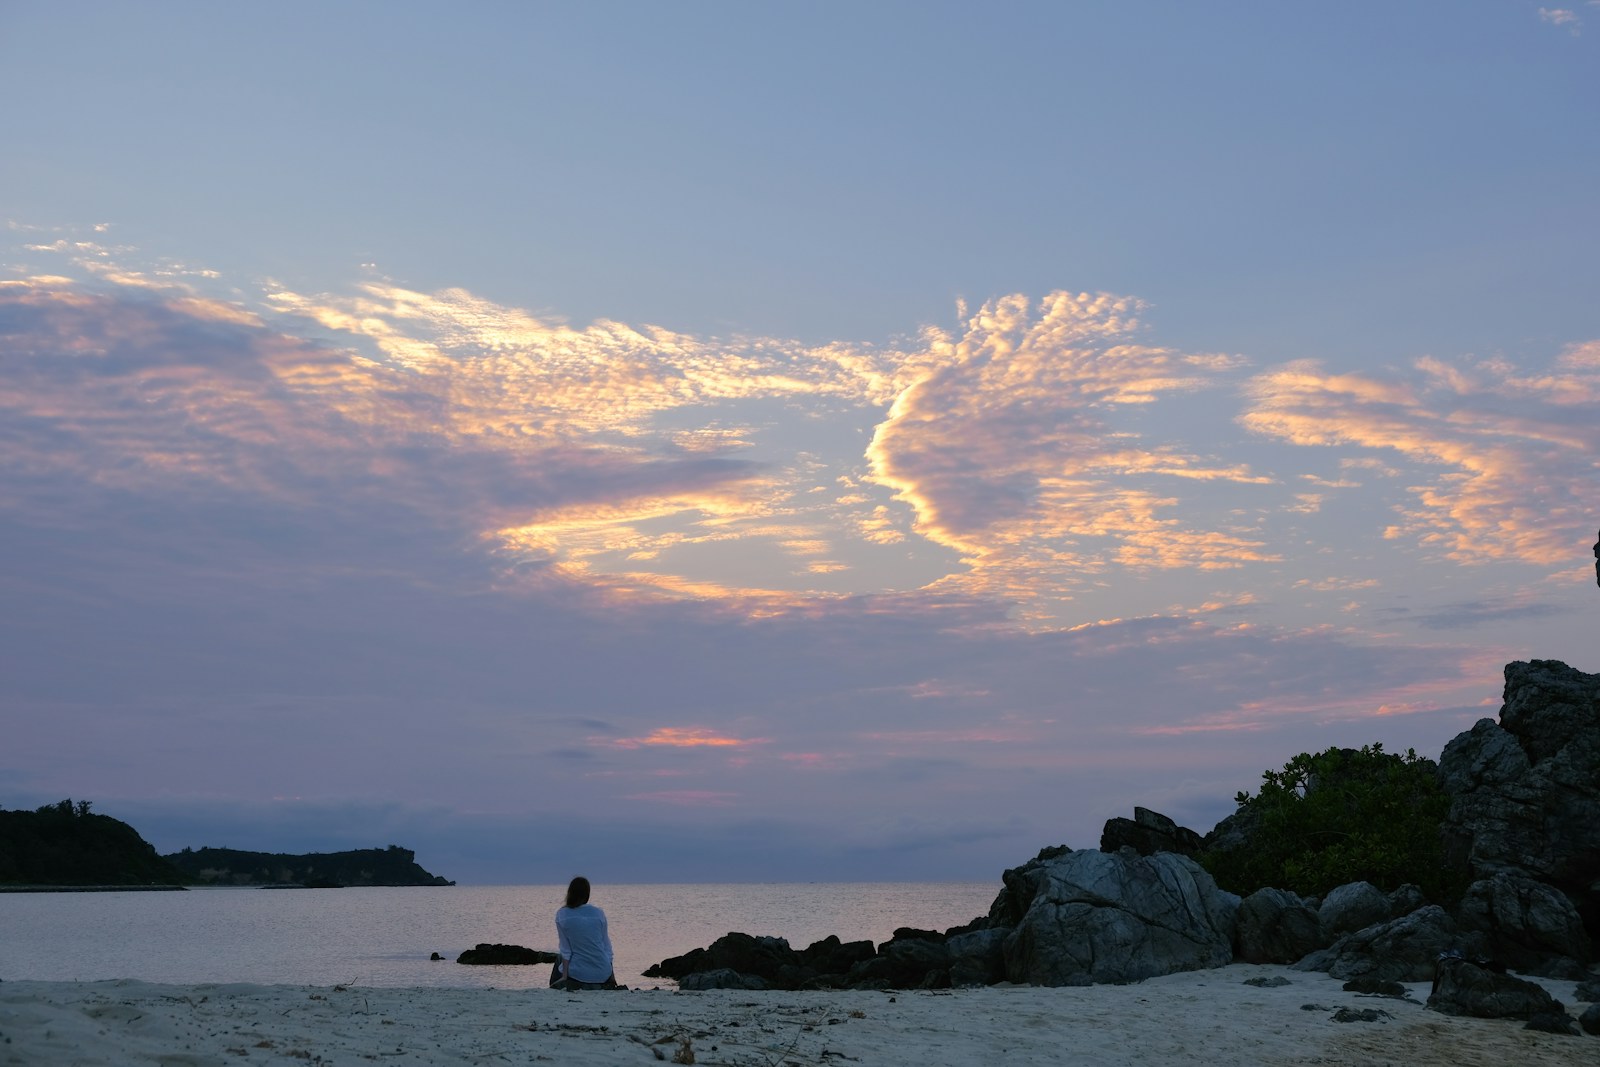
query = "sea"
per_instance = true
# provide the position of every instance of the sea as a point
(387, 936)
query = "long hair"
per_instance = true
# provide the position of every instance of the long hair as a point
(578, 892)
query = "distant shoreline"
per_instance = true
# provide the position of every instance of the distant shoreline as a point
(94, 888)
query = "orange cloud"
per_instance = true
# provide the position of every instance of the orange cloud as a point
(1502, 463)
(686, 737)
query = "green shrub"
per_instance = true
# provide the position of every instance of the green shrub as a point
(1344, 815)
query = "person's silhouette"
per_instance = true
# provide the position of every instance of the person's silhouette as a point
(1597, 561)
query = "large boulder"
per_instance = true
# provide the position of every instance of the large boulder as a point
(1351, 907)
(1276, 926)
(1147, 833)
(978, 957)
(1526, 790)
(1119, 917)
(1400, 950)
(1530, 926)
(1462, 987)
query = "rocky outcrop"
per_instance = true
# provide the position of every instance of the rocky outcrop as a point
(1102, 917)
(1276, 926)
(503, 955)
(1465, 988)
(1063, 918)
(1400, 950)
(1147, 833)
(1529, 926)
(1526, 790)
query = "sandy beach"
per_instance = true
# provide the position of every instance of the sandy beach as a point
(1196, 1017)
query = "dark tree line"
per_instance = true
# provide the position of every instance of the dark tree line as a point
(67, 844)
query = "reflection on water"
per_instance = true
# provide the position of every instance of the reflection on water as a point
(384, 936)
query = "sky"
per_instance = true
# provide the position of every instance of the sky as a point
(685, 442)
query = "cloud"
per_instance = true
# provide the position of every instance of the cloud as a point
(343, 548)
(685, 737)
(1562, 16)
(1499, 461)
(1010, 451)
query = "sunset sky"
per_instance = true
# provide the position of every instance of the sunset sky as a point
(778, 441)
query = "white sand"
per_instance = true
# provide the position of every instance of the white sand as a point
(1201, 1017)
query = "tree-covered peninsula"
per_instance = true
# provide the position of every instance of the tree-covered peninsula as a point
(67, 846)
(359, 867)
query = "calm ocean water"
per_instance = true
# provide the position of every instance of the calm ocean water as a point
(383, 937)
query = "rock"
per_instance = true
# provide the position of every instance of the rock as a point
(1363, 1015)
(1526, 791)
(1268, 983)
(1553, 1022)
(721, 978)
(978, 957)
(830, 956)
(1147, 833)
(907, 963)
(1462, 987)
(1119, 917)
(501, 955)
(1590, 1019)
(1374, 988)
(1400, 950)
(764, 957)
(1276, 926)
(1405, 900)
(1016, 896)
(1353, 907)
(1587, 990)
(1529, 925)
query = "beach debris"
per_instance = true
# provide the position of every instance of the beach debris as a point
(685, 1053)
(1264, 982)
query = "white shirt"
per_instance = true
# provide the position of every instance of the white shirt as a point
(585, 942)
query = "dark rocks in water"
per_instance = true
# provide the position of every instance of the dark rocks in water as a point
(1119, 917)
(1590, 1020)
(1268, 983)
(1147, 833)
(913, 959)
(1588, 990)
(1462, 987)
(764, 957)
(1276, 926)
(502, 955)
(1526, 790)
(435, 957)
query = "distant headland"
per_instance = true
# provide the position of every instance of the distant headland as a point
(66, 847)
